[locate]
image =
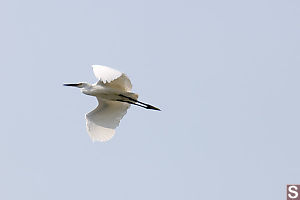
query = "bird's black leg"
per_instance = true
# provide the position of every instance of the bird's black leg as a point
(124, 101)
(147, 106)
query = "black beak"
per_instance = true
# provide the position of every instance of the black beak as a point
(71, 84)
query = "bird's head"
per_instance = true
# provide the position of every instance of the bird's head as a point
(79, 85)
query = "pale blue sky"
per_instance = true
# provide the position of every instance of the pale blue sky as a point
(225, 74)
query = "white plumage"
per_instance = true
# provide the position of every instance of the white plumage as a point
(102, 121)
(112, 78)
(113, 92)
(105, 74)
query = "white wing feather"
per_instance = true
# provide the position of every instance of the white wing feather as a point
(112, 78)
(106, 74)
(102, 121)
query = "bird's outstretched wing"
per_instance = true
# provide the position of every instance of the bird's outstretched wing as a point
(112, 78)
(102, 121)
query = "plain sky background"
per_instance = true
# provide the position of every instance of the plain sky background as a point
(225, 74)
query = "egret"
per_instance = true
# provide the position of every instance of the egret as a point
(113, 92)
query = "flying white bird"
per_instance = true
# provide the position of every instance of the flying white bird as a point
(114, 98)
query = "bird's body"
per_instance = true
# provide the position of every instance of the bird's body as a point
(113, 92)
(106, 93)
